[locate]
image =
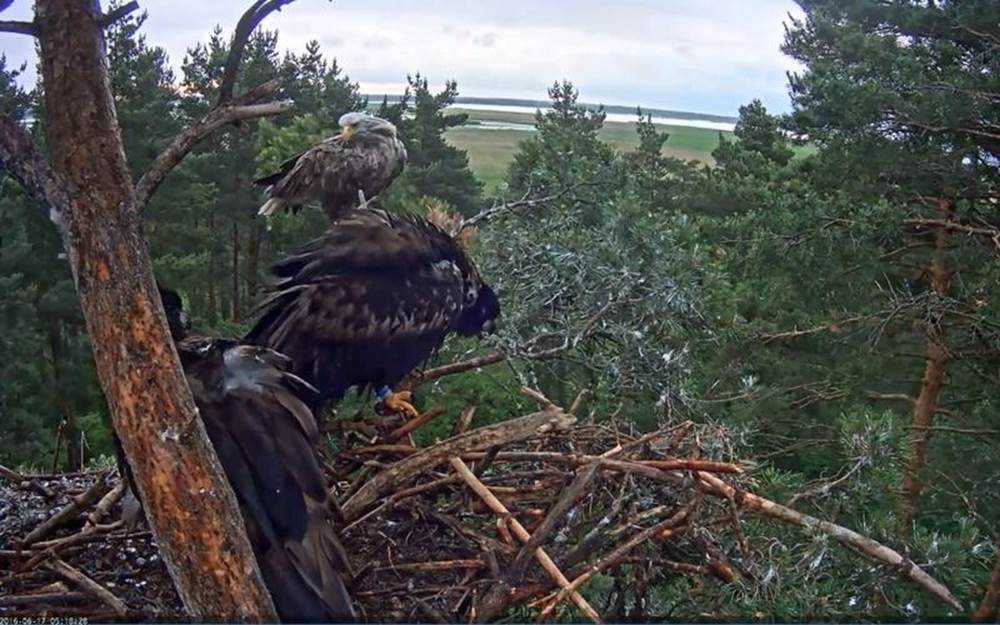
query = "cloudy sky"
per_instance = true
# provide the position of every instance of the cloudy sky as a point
(706, 56)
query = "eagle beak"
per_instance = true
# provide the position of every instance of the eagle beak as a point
(347, 132)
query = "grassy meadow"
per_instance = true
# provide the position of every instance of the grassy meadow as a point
(491, 150)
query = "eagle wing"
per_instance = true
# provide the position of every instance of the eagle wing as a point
(332, 172)
(263, 433)
(365, 303)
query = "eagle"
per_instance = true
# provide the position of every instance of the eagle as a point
(257, 416)
(339, 172)
(370, 300)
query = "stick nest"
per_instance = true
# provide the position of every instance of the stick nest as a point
(521, 517)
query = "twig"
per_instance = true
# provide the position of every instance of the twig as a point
(660, 530)
(73, 575)
(435, 565)
(411, 425)
(547, 420)
(522, 534)
(41, 598)
(826, 487)
(842, 534)
(68, 513)
(464, 420)
(566, 500)
(105, 504)
(11, 475)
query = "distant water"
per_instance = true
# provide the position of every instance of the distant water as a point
(611, 117)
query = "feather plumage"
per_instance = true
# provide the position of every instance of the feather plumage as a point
(334, 170)
(256, 413)
(370, 300)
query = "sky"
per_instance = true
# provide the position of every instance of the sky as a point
(706, 56)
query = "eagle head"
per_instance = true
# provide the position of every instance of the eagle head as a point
(481, 315)
(361, 123)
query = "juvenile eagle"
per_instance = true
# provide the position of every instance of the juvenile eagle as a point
(371, 299)
(365, 157)
(256, 414)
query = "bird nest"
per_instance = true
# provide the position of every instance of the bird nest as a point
(537, 516)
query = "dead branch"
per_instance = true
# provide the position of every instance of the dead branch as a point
(105, 504)
(412, 425)
(826, 487)
(242, 108)
(522, 534)
(21, 160)
(660, 530)
(548, 420)
(18, 28)
(70, 512)
(111, 17)
(73, 575)
(464, 420)
(42, 598)
(11, 475)
(844, 535)
(248, 22)
(569, 496)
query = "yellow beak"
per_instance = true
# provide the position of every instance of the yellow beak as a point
(347, 132)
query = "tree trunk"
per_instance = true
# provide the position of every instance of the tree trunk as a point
(989, 608)
(253, 259)
(213, 302)
(935, 370)
(236, 272)
(190, 507)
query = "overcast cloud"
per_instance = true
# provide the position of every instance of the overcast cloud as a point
(708, 57)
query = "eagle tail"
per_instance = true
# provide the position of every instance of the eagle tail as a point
(272, 206)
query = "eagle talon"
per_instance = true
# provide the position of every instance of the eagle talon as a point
(399, 402)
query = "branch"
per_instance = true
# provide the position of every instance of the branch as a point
(547, 420)
(238, 110)
(251, 18)
(503, 206)
(21, 160)
(524, 536)
(844, 535)
(113, 16)
(18, 28)
(92, 587)
(826, 487)
(991, 232)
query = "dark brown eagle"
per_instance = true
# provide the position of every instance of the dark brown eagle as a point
(256, 414)
(359, 162)
(371, 299)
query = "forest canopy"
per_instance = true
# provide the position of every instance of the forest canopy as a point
(826, 290)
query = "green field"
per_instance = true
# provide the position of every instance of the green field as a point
(490, 151)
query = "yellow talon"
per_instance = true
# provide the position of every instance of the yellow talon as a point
(400, 402)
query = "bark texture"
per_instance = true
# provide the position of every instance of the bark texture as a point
(191, 508)
(935, 369)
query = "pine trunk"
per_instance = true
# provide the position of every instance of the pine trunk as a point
(935, 369)
(236, 272)
(213, 301)
(190, 507)
(989, 608)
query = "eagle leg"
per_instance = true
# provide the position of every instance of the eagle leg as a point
(398, 402)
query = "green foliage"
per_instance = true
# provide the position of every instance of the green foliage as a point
(782, 292)
(434, 168)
